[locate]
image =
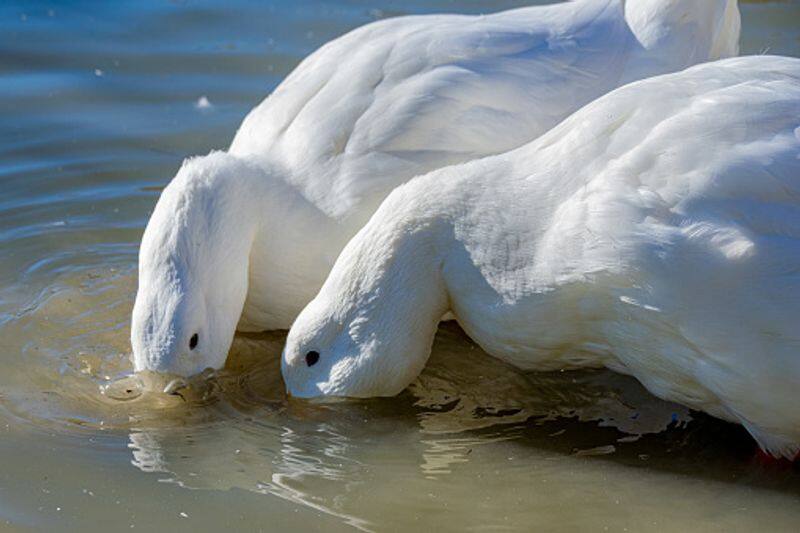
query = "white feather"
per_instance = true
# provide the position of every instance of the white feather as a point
(656, 232)
(363, 114)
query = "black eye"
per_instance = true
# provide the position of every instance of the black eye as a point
(312, 357)
(193, 342)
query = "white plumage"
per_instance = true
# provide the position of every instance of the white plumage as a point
(247, 236)
(403, 96)
(655, 232)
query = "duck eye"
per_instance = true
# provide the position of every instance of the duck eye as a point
(312, 357)
(193, 342)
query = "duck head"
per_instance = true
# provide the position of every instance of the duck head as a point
(369, 330)
(193, 268)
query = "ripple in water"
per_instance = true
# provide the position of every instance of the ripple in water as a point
(235, 428)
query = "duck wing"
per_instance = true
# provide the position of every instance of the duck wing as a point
(404, 96)
(687, 196)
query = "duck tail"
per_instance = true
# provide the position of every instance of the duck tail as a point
(777, 446)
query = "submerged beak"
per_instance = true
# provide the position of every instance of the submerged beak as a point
(175, 386)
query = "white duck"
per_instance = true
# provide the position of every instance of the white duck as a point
(247, 237)
(655, 232)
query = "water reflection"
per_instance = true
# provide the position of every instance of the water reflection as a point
(331, 456)
(463, 388)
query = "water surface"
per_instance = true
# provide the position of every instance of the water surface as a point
(99, 104)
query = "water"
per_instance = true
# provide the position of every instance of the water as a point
(99, 103)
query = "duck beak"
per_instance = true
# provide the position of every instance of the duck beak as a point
(175, 386)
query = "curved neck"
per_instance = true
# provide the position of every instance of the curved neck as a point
(293, 250)
(193, 266)
(392, 269)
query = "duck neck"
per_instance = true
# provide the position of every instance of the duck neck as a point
(294, 248)
(391, 274)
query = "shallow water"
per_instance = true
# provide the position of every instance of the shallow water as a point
(99, 103)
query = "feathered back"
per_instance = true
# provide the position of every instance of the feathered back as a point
(404, 96)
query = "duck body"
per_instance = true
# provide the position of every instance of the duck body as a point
(243, 239)
(655, 232)
(404, 96)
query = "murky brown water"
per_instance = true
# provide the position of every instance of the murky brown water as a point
(98, 109)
